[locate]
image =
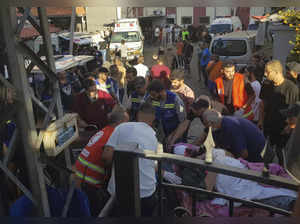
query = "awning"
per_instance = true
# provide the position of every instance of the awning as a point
(66, 62)
(29, 32)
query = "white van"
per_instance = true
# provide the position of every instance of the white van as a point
(238, 47)
(130, 31)
(225, 25)
(80, 39)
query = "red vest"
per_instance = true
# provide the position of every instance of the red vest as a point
(239, 95)
(89, 167)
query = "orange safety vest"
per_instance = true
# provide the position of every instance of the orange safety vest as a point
(239, 95)
(89, 167)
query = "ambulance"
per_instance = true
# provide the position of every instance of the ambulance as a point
(130, 31)
(225, 25)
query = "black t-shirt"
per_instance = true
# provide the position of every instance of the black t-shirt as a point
(277, 98)
(228, 94)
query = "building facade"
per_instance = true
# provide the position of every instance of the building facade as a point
(185, 16)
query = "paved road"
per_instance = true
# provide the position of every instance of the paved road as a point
(191, 80)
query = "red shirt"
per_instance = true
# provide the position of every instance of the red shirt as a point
(179, 47)
(157, 69)
(96, 112)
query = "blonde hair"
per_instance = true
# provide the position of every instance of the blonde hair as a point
(275, 66)
(141, 60)
(177, 74)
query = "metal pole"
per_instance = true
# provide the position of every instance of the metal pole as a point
(72, 26)
(127, 184)
(26, 123)
(51, 64)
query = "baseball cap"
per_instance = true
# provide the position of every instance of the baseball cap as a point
(202, 101)
(293, 66)
(292, 111)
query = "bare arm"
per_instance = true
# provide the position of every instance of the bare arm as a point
(107, 155)
(178, 132)
(199, 141)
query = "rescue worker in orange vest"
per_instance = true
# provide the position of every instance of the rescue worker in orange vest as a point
(90, 172)
(233, 93)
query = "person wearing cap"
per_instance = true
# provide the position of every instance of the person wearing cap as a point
(192, 129)
(237, 135)
(138, 97)
(293, 70)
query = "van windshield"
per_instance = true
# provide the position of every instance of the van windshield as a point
(127, 36)
(253, 27)
(221, 28)
(229, 47)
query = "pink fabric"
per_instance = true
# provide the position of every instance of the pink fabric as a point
(274, 168)
(206, 208)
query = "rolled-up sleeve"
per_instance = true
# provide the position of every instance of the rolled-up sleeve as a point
(180, 109)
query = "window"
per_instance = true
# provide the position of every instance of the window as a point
(186, 20)
(170, 21)
(229, 47)
(221, 28)
(204, 20)
(127, 36)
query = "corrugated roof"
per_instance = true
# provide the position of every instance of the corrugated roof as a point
(55, 11)
(28, 32)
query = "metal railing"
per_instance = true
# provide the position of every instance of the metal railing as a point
(127, 180)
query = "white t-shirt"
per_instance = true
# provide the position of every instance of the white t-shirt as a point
(144, 136)
(255, 105)
(123, 51)
(156, 32)
(142, 70)
(102, 86)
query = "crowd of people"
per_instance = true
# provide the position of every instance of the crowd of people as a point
(120, 102)
(245, 110)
